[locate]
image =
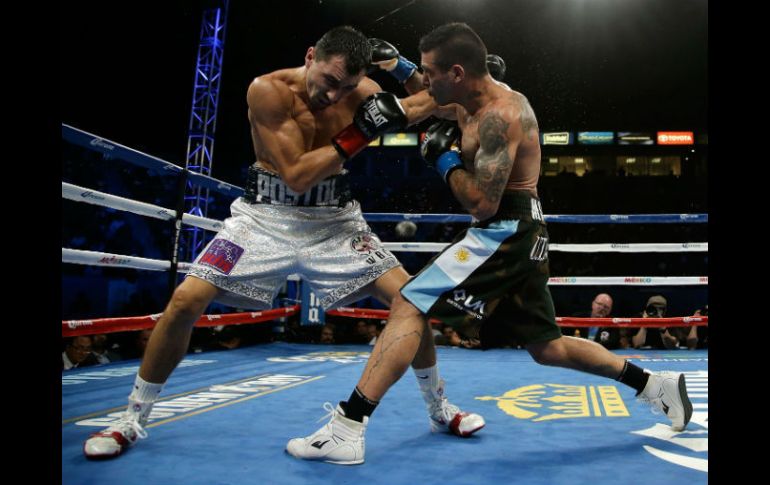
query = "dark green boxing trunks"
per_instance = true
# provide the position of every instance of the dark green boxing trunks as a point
(494, 274)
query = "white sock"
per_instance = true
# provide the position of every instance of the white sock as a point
(141, 399)
(430, 383)
(145, 391)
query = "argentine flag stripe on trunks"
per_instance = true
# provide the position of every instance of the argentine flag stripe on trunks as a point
(450, 270)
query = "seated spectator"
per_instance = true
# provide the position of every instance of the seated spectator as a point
(448, 336)
(610, 336)
(375, 330)
(327, 335)
(653, 338)
(360, 333)
(78, 353)
(104, 351)
(601, 307)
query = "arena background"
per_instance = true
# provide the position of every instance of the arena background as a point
(637, 66)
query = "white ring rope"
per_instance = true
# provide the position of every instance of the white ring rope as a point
(429, 247)
(631, 248)
(82, 194)
(628, 280)
(78, 256)
(96, 258)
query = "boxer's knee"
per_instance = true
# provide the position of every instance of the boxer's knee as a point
(190, 299)
(403, 308)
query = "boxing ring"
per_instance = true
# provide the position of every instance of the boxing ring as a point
(224, 416)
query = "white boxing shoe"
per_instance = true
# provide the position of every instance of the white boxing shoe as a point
(667, 391)
(116, 439)
(340, 441)
(445, 416)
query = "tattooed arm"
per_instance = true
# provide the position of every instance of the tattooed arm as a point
(499, 137)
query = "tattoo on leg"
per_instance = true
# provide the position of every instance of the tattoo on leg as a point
(386, 346)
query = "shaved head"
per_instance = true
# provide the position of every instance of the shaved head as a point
(601, 306)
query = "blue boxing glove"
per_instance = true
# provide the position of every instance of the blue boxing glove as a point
(437, 150)
(385, 56)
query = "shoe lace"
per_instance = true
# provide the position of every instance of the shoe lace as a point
(331, 412)
(444, 409)
(127, 424)
(329, 408)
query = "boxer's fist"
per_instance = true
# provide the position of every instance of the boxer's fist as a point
(437, 150)
(377, 114)
(385, 56)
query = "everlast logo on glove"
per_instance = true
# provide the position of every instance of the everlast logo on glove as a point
(375, 116)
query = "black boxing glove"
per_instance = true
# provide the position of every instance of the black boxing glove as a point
(377, 114)
(385, 56)
(437, 149)
(496, 66)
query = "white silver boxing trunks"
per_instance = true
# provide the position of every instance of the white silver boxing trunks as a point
(274, 232)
